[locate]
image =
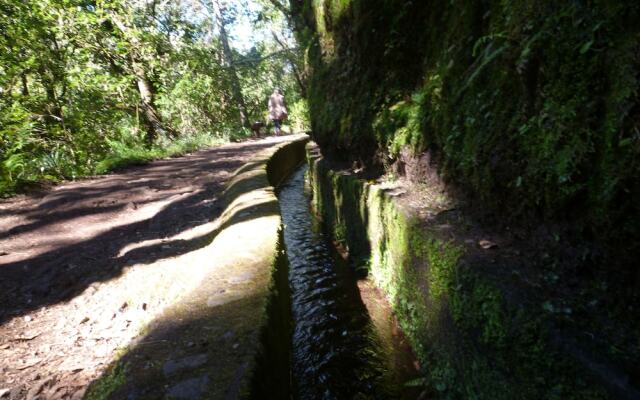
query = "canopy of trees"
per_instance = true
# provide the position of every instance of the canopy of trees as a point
(83, 81)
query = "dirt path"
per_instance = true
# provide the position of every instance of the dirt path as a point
(84, 266)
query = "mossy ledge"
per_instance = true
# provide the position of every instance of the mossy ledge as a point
(475, 337)
(235, 320)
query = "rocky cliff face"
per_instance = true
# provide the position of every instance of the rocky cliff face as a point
(530, 107)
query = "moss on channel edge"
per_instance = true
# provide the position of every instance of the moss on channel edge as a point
(109, 383)
(471, 342)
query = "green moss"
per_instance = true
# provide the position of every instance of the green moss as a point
(340, 233)
(531, 107)
(486, 301)
(271, 376)
(338, 198)
(471, 342)
(400, 126)
(442, 260)
(388, 232)
(108, 383)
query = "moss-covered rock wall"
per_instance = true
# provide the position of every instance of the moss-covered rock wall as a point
(476, 333)
(531, 107)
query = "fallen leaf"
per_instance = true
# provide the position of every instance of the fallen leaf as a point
(487, 244)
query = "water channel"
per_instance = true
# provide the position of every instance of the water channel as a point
(346, 343)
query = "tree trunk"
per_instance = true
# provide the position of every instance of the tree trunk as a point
(53, 108)
(25, 84)
(150, 115)
(228, 57)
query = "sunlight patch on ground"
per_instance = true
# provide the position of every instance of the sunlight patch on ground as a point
(111, 316)
(116, 297)
(86, 227)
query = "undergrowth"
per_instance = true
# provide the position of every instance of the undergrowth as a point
(122, 155)
(64, 161)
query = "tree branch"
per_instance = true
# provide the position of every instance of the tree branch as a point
(296, 72)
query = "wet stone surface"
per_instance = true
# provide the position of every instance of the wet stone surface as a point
(172, 367)
(189, 389)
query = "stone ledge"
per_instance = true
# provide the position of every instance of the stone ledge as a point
(229, 336)
(474, 337)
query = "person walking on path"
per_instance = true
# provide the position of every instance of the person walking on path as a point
(277, 109)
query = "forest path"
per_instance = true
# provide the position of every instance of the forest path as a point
(85, 265)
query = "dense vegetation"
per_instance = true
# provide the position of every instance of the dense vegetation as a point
(530, 112)
(530, 107)
(87, 85)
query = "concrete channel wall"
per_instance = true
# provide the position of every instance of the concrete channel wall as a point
(473, 331)
(227, 335)
(252, 222)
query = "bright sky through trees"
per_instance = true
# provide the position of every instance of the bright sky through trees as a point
(244, 34)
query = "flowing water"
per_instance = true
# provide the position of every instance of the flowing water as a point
(345, 340)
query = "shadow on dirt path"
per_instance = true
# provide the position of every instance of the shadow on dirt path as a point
(57, 245)
(85, 265)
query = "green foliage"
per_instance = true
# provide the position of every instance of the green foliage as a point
(299, 116)
(88, 87)
(122, 154)
(340, 233)
(400, 125)
(478, 306)
(443, 379)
